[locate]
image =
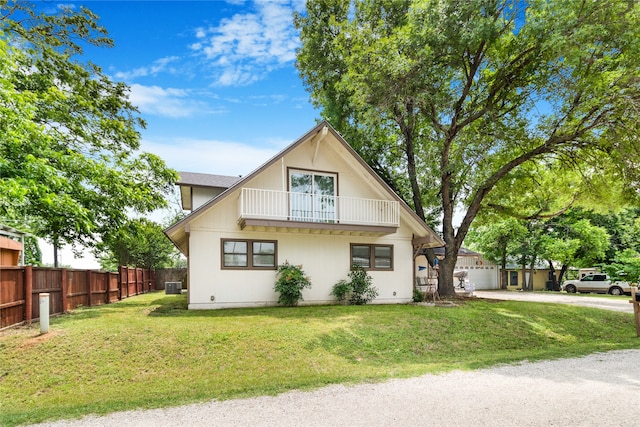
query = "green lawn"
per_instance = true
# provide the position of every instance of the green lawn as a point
(149, 351)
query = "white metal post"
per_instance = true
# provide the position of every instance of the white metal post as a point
(44, 313)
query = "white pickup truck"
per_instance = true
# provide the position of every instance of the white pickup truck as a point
(596, 282)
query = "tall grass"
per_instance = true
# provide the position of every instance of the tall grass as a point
(149, 351)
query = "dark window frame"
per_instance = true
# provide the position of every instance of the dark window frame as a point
(372, 256)
(249, 254)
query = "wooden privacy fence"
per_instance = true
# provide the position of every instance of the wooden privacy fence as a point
(67, 289)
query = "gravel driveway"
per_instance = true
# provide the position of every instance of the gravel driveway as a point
(602, 302)
(601, 389)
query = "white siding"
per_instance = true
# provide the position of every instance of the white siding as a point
(324, 258)
(201, 195)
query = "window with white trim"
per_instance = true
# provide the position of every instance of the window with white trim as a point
(313, 195)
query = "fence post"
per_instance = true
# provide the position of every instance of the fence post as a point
(28, 289)
(106, 279)
(89, 288)
(636, 308)
(63, 289)
(124, 281)
(119, 283)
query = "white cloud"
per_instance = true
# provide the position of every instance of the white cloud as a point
(158, 66)
(66, 6)
(213, 156)
(168, 102)
(246, 46)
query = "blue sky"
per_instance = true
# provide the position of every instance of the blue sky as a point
(214, 80)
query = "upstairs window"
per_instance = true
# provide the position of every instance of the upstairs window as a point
(313, 196)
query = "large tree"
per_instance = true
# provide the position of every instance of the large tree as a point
(460, 95)
(138, 243)
(70, 163)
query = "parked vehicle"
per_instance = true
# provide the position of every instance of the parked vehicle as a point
(597, 282)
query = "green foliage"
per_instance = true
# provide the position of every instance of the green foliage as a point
(569, 238)
(69, 159)
(290, 282)
(463, 104)
(625, 266)
(357, 291)
(32, 252)
(499, 240)
(417, 295)
(138, 243)
(341, 291)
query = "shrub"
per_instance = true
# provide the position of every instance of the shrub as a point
(417, 295)
(341, 291)
(290, 282)
(359, 290)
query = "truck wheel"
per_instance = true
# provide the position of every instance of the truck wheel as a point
(570, 289)
(615, 291)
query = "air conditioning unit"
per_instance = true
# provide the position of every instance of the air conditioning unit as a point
(173, 288)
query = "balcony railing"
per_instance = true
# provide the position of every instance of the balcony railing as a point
(303, 207)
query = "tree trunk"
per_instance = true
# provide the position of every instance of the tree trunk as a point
(563, 270)
(55, 253)
(406, 122)
(503, 272)
(531, 271)
(431, 256)
(445, 275)
(554, 281)
(524, 274)
(448, 264)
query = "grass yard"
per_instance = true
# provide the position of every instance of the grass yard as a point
(149, 351)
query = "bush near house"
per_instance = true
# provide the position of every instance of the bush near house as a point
(290, 283)
(358, 291)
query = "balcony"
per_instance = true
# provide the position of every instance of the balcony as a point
(303, 212)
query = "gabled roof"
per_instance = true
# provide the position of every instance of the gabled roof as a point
(206, 180)
(182, 226)
(190, 180)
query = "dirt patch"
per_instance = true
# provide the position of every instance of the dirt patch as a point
(37, 339)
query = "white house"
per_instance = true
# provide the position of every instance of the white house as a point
(316, 204)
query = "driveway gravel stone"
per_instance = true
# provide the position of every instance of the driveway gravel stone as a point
(601, 302)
